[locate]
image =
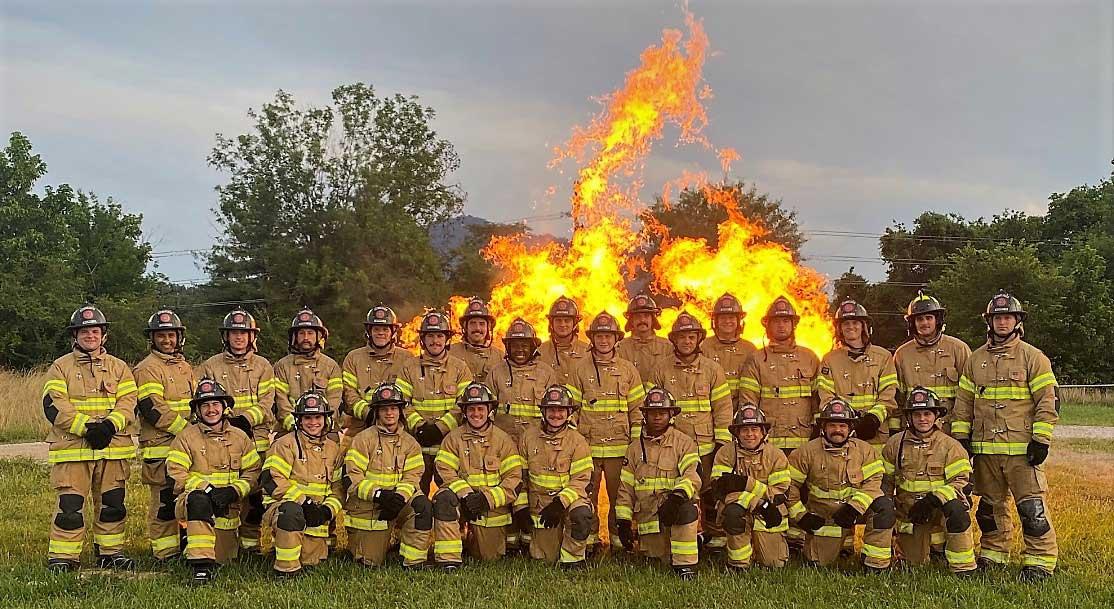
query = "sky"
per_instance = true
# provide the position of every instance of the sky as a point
(855, 114)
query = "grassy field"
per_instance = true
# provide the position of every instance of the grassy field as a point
(1081, 473)
(1101, 414)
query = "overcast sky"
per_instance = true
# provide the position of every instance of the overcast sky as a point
(855, 114)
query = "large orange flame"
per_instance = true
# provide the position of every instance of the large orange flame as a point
(594, 268)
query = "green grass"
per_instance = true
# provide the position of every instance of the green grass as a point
(20, 433)
(1080, 509)
(1101, 414)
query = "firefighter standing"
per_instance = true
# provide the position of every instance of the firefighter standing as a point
(1004, 413)
(926, 472)
(306, 367)
(564, 350)
(644, 348)
(166, 385)
(726, 346)
(608, 390)
(701, 391)
(750, 478)
(843, 478)
(930, 358)
(214, 465)
(249, 379)
(366, 367)
(860, 373)
(477, 326)
(481, 470)
(431, 385)
(558, 471)
(384, 468)
(302, 476)
(660, 481)
(519, 384)
(89, 399)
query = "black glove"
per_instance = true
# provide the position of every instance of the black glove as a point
(732, 483)
(552, 514)
(522, 520)
(846, 516)
(867, 427)
(667, 513)
(626, 533)
(1037, 452)
(390, 504)
(476, 504)
(769, 513)
(966, 444)
(242, 423)
(99, 434)
(921, 512)
(433, 433)
(810, 522)
(316, 514)
(222, 497)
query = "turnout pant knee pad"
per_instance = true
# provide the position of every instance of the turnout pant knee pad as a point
(1034, 521)
(267, 482)
(687, 513)
(112, 506)
(70, 517)
(255, 509)
(199, 507)
(984, 516)
(166, 505)
(446, 506)
(885, 514)
(956, 518)
(582, 521)
(291, 517)
(734, 519)
(423, 512)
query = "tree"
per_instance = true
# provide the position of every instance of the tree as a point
(329, 207)
(467, 269)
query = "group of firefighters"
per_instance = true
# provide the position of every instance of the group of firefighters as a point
(700, 442)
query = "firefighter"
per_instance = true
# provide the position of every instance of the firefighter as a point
(843, 475)
(383, 470)
(608, 391)
(166, 385)
(477, 327)
(431, 385)
(726, 345)
(701, 390)
(89, 399)
(249, 379)
(926, 471)
(558, 471)
(644, 348)
(564, 350)
(481, 470)
(381, 360)
(779, 378)
(1004, 414)
(519, 384)
(860, 373)
(660, 482)
(214, 465)
(306, 367)
(302, 476)
(930, 358)
(750, 478)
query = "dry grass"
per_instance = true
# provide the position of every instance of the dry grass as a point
(1087, 395)
(21, 413)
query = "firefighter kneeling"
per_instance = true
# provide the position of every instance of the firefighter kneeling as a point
(214, 466)
(658, 487)
(750, 478)
(383, 469)
(558, 471)
(302, 476)
(927, 471)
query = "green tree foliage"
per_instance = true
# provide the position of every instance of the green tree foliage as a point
(468, 271)
(63, 248)
(329, 207)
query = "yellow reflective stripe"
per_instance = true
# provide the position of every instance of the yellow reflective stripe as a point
(956, 468)
(410, 552)
(961, 427)
(999, 448)
(1034, 560)
(995, 556)
(825, 383)
(177, 426)
(483, 479)
(872, 468)
(406, 489)
(333, 503)
(829, 531)
(682, 548)
(200, 542)
(626, 477)
(606, 406)
(740, 554)
(413, 462)
(785, 391)
(720, 391)
(117, 419)
(77, 427)
(457, 486)
(164, 543)
(111, 540)
(449, 419)
(334, 383)
(70, 455)
(965, 557)
(568, 495)
(509, 463)
(751, 383)
(887, 380)
(778, 476)
(636, 394)
(64, 547)
(413, 420)
(576, 394)
(1004, 393)
(279, 385)
(498, 496)
(796, 510)
(549, 481)
(149, 389)
(624, 512)
(1042, 429)
(1041, 381)
(688, 460)
(722, 435)
(791, 442)
(433, 405)
(448, 458)
(349, 379)
(523, 411)
(448, 546)
(226, 524)
(156, 452)
(649, 527)
(604, 451)
(796, 475)
(580, 465)
(501, 520)
(405, 387)
(878, 411)
(288, 554)
(720, 469)
(759, 525)
(966, 384)
(862, 499)
(888, 468)
(358, 459)
(249, 459)
(876, 552)
(58, 385)
(686, 485)
(278, 464)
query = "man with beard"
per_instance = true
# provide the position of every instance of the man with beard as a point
(166, 385)
(477, 325)
(306, 367)
(381, 360)
(564, 350)
(644, 348)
